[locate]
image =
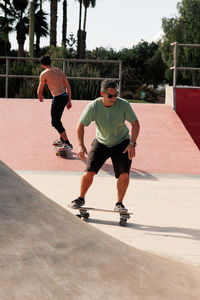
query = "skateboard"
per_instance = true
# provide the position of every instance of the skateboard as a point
(59, 152)
(84, 214)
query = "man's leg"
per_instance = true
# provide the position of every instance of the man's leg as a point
(122, 185)
(57, 108)
(97, 156)
(63, 136)
(121, 165)
(86, 182)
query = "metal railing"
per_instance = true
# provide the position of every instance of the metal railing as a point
(175, 68)
(64, 61)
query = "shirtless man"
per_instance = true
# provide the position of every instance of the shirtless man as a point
(61, 92)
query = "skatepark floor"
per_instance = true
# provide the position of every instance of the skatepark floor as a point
(165, 208)
(165, 175)
(163, 195)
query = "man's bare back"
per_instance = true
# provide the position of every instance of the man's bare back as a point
(55, 79)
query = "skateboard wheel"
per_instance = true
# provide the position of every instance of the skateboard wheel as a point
(79, 216)
(122, 222)
(86, 216)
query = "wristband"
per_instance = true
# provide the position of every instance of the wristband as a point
(133, 143)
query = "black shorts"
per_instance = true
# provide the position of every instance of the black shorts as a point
(99, 153)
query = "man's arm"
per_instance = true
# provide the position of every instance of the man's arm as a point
(135, 128)
(80, 136)
(68, 89)
(41, 88)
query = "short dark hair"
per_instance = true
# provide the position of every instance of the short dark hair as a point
(45, 60)
(108, 83)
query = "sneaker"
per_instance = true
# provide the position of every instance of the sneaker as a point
(77, 203)
(120, 207)
(58, 143)
(65, 147)
(70, 147)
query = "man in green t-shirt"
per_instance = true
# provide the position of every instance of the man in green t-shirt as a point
(109, 113)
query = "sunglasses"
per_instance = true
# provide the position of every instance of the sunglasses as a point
(110, 96)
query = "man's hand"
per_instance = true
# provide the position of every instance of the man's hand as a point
(41, 98)
(131, 151)
(82, 151)
(69, 104)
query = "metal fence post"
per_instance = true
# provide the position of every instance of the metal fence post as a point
(120, 78)
(7, 72)
(175, 65)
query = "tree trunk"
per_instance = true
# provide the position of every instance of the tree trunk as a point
(31, 28)
(21, 48)
(7, 45)
(80, 15)
(53, 23)
(85, 18)
(64, 27)
(37, 44)
(81, 46)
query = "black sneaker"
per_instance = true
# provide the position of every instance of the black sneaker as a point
(69, 146)
(120, 207)
(77, 203)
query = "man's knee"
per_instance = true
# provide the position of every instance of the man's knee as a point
(124, 177)
(57, 125)
(89, 175)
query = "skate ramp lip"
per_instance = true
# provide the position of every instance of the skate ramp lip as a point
(47, 253)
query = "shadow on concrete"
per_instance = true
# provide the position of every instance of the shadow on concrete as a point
(185, 233)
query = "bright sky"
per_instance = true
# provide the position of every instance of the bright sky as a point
(116, 24)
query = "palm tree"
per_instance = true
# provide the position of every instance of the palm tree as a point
(31, 27)
(81, 44)
(4, 31)
(17, 17)
(41, 28)
(64, 25)
(80, 13)
(53, 22)
(87, 3)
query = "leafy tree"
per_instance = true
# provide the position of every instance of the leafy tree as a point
(183, 28)
(138, 64)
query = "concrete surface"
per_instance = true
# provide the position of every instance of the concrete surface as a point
(47, 253)
(166, 209)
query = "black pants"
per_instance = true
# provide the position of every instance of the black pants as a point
(57, 108)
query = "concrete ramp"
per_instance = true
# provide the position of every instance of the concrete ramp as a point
(47, 253)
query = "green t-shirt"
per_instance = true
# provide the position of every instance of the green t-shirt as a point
(110, 127)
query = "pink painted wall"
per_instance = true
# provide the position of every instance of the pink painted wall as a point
(187, 106)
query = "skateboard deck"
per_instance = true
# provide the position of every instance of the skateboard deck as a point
(83, 213)
(60, 152)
